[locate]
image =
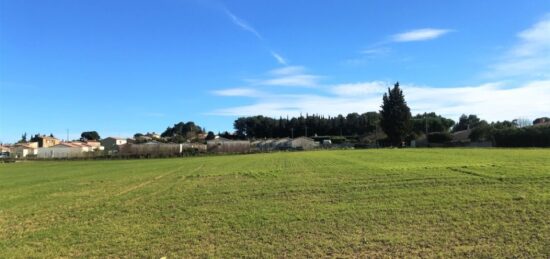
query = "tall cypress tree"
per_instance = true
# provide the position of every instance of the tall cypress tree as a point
(395, 116)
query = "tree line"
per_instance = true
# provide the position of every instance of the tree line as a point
(309, 125)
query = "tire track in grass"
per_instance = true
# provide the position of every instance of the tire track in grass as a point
(143, 184)
(183, 177)
(473, 173)
(175, 180)
(165, 187)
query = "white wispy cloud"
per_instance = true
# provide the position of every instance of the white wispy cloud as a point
(492, 101)
(288, 70)
(243, 24)
(303, 80)
(242, 92)
(383, 48)
(247, 27)
(530, 57)
(420, 35)
(368, 54)
(359, 89)
(291, 76)
(376, 51)
(279, 58)
(288, 76)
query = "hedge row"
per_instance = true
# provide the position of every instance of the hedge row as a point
(522, 137)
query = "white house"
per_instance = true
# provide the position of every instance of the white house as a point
(68, 150)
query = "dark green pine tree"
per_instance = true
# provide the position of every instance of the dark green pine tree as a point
(395, 116)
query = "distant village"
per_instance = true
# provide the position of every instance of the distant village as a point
(153, 145)
(264, 134)
(150, 145)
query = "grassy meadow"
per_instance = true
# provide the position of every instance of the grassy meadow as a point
(356, 203)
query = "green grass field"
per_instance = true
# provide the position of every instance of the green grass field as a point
(356, 203)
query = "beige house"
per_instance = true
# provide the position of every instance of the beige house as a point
(94, 145)
(4, 148)
(22, 150)
(69, 150)
(46, 141)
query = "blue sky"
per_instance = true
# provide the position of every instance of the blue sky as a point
(121, 67)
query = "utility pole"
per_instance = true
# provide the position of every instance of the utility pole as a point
(67, 135)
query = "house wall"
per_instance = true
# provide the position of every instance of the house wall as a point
(94, 145)
(32, 144)
(284, 144)
(61, 152)
(228, 146)
(21, 152)
(303, 143)
(266, 145)
(196, 146)
(150, 149)
(48, 142)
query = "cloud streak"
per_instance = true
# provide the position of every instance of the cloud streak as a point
(288, 76)
(243, 24)
(530, 57)
(279, 58)
(240, 92)
(295, 76)
(247, 27)
(419, 35)
(383, 48)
